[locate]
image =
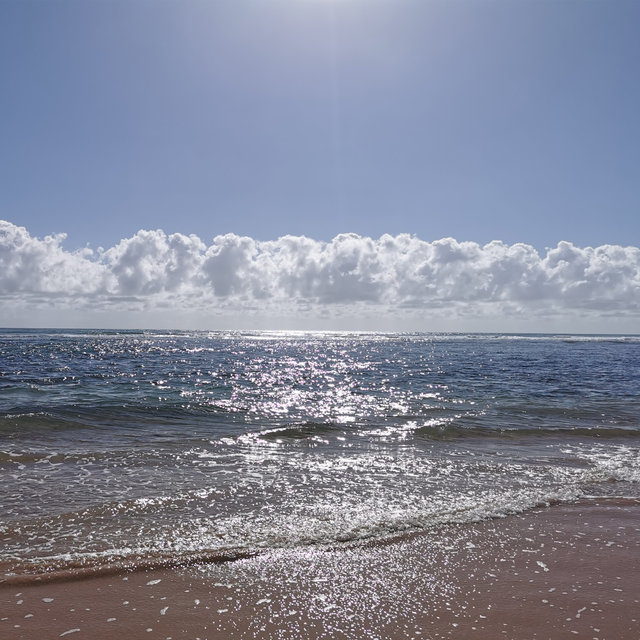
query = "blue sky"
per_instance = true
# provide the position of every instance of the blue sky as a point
(480, 120)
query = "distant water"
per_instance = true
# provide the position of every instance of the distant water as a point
(125, 448)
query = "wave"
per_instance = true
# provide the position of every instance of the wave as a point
(63, 569)
(302, 431)
(392, 527)
(453, 431)
(114, 415)
(41, 421)
(181, 539)
(52, 458)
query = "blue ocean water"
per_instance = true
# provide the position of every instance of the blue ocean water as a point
(134, 447)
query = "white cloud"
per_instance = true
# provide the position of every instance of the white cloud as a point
(352, 275)
(152, 263)
(30, 265)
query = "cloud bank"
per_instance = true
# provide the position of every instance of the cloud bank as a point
(392, 276)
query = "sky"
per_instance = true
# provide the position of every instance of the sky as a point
(361, 164)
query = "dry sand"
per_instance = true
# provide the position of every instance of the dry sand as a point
(569, 571)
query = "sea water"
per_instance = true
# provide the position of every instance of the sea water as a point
(134, 448)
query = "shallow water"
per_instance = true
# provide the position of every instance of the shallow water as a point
(135, 447)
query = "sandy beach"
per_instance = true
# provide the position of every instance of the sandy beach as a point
(560, 572)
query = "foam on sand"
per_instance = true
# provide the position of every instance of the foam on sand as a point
(553, 572)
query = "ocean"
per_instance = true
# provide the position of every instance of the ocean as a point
(128, 449)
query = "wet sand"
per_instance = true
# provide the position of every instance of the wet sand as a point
(568, 571)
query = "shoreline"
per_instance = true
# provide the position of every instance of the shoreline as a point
(565, 571)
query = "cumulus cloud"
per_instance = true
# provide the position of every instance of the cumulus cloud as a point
(31, 265)
(152, 263)
(156, 270)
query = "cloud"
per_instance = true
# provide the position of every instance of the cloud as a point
(153, 270)
(32, 266)
(153, 263)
